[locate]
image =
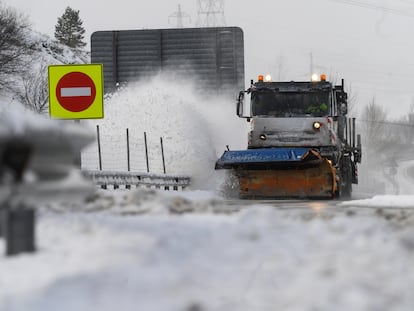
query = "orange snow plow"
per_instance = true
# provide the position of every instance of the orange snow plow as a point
(281, 173)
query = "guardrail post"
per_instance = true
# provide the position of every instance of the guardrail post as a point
(18, 229)
(162, 154)
(99, 147)
(2, 221)
(146, 151)
(128, 155)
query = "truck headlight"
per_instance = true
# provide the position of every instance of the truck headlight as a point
(315, 78)
(317, 125)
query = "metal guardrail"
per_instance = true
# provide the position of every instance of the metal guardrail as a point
(116, 180)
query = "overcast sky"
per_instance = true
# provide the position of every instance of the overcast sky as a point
(369, 43)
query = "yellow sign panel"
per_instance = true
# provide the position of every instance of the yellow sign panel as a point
(76, 91)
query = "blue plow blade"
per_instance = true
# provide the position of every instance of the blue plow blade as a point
(251, 157)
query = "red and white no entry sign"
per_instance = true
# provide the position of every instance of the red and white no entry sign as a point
(76, 91)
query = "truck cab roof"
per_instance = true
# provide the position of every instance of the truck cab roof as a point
(292, 86)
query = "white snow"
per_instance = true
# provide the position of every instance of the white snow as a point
(400, 201)
(151, 250)
(15, 120)
(195, 129)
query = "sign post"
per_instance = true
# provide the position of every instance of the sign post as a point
(76, 91)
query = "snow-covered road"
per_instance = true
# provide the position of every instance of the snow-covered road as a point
(156, 251)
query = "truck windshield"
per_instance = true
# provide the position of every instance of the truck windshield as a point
(290, 104)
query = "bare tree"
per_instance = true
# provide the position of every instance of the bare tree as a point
(374, 120)
(15, 46)
(374, 140)
(385, 144)
(411, 114)
(35, 95)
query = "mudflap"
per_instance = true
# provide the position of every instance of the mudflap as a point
(305, 174)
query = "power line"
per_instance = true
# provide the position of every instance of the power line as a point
(375, 7)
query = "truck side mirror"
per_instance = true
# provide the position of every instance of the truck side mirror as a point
(240, 103)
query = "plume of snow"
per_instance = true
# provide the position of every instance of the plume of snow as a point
(195, 128)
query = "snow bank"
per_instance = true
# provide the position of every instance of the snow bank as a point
(401, 201)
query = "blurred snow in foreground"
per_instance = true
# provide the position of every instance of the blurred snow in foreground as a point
(194, 251)
(157, 251)
(53, 146)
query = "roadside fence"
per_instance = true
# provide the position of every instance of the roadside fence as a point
(128, 158)
(125, 151)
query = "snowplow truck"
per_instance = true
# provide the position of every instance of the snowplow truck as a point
(302, 144)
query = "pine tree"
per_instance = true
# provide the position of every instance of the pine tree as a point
(69, 30)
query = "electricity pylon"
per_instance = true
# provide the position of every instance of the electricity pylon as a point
(179, 16)
(210, 13)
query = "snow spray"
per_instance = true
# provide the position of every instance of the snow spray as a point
(195, 128)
